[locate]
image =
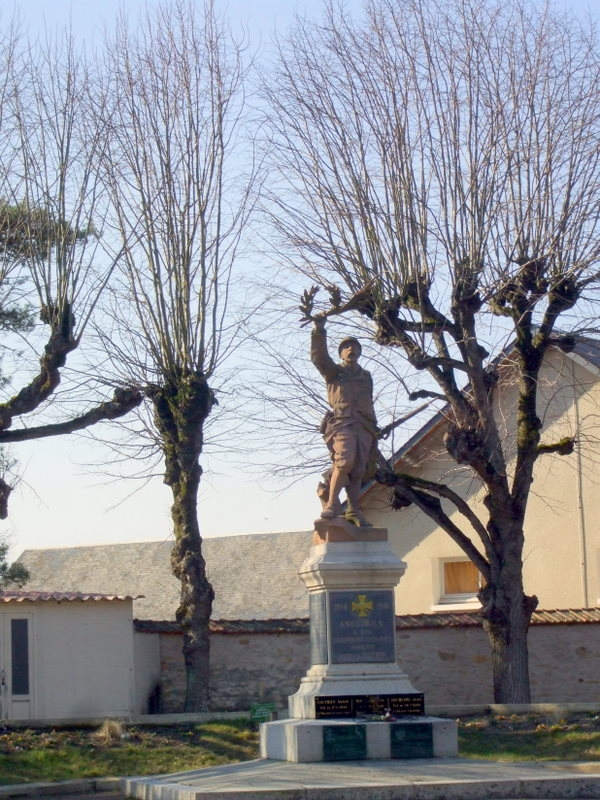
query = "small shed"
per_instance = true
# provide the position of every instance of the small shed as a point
(66, 655)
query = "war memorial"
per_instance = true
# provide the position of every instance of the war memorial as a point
(355, 702)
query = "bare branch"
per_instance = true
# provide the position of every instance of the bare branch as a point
(60, 344)
(181, 190)
(123, 401)
(565, 447)
(409, 489)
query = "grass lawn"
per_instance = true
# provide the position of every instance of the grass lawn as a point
(530, 737)
(29, 755)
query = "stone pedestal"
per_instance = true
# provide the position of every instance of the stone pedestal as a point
(354, 681)
(350, 575)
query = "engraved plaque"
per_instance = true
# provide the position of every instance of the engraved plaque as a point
(411, 740)
(408, 704)
(344, 742)
(348, 706)
(362, 626)
(328, 707)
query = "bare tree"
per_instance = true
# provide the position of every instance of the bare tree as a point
(444, 157)
(49, 261)
(181, 196)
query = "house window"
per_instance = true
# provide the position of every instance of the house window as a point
(19, 656)
(461, 581)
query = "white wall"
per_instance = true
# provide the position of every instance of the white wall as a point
(82, 658)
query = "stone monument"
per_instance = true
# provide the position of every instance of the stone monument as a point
(355, 702)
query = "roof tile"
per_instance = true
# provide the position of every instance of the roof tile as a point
(403, 622)
(255, 576)
(59, 597)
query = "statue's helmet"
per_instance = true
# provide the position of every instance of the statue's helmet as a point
(349, 340)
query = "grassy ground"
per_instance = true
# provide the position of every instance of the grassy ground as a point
(31, 755)
(530, 737)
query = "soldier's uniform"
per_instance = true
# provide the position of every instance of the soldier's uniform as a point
(350, 428)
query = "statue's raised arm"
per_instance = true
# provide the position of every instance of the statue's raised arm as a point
(319, 354)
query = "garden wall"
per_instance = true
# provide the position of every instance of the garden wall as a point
(450, 662)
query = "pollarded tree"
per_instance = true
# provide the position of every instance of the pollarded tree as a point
(51, 273)
(181, 197)
(444, 157)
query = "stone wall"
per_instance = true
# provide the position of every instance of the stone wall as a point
(452, 665)
(173, 674)
(245, 669)
(565, 663)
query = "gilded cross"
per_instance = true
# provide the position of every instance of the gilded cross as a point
(362, 606)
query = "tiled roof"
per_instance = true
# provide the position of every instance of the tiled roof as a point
(566, 616)
(232, 626)
(60, 597)
(451, 619)
(254, 576)
(589, 350)
(461, 619)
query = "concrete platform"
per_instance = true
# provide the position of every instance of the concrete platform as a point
(422, 779)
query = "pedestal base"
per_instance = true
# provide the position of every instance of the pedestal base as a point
(346, 679)
(357, 740)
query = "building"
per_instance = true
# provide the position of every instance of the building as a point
(260, 612)
(67, 655)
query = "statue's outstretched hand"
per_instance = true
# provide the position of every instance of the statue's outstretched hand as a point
(307, 303)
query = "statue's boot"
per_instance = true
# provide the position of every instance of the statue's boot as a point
(330, 511)
(336, 484)
(357, 518)
(353, 512)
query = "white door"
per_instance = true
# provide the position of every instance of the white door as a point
(15, 666)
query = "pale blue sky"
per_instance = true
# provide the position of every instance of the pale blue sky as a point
(59, 504)
(88, 18)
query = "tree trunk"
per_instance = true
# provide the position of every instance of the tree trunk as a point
(510, 659)
(181, 408)
(507, 611)
(193, 614)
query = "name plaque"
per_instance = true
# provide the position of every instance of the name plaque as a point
(344, 742)
(411, 740)
(348, 706)
(362, 626)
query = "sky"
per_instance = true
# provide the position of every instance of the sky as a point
(59, 502)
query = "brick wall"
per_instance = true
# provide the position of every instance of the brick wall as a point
(450, 665)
